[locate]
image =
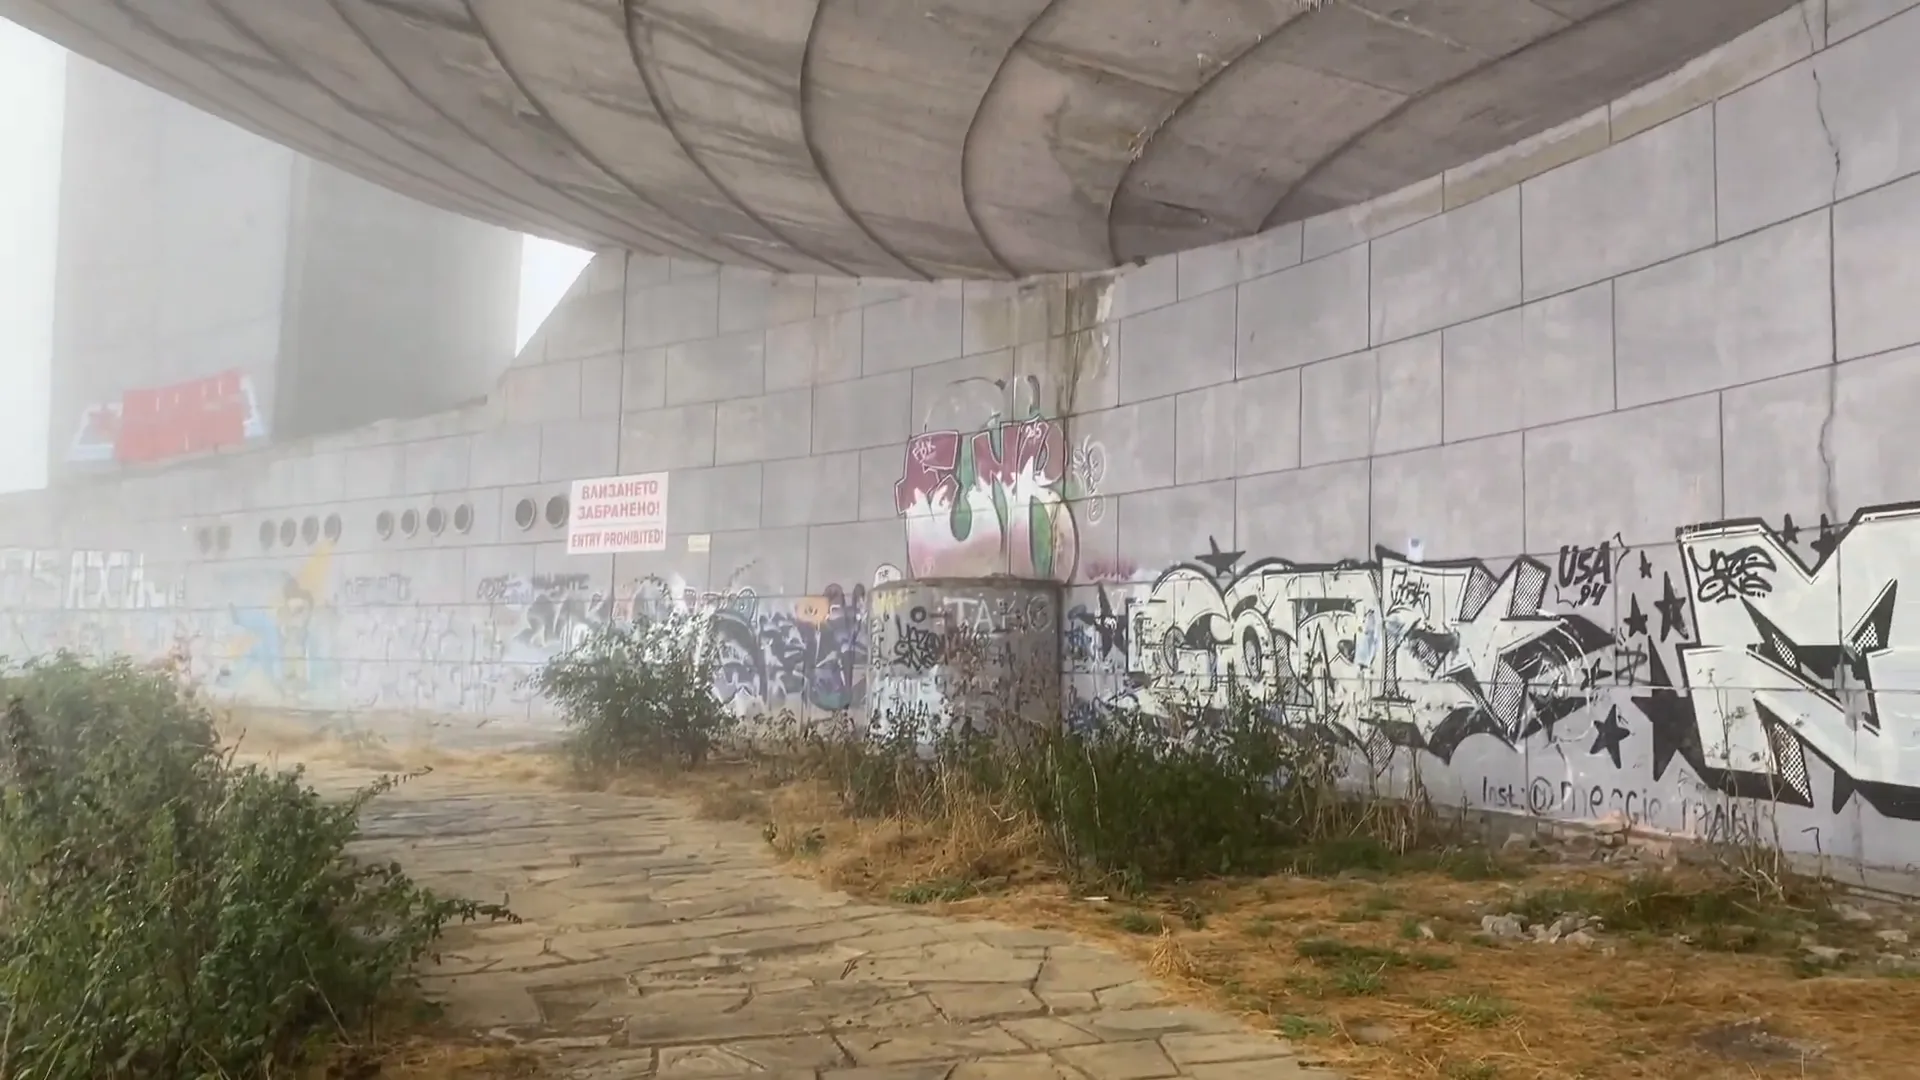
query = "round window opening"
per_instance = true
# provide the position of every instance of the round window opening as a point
(205, 539)
(310, 530)
(557, 511)
(524, 513)
(266, 534)
(288, 530)
(223, 539)
(333, 527)
(384, 525)
(410, 523)
(436, 521)
(463, 518)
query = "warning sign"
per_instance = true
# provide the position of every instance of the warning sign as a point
(618, 513)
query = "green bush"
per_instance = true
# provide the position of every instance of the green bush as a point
(1136, 796)
(168, 914)
(1130, 799)
(638, 695)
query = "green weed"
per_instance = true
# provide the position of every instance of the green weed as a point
(939, 890)
(1724, 916)
(1370, 909)
(1359, 981)
(168, 914)
(1475, 1010)
(1329, 952)
(1300, 1028)
(638, 695)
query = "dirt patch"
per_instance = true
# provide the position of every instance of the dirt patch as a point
(276, 740)
(428, 1056)
(1750, 1040)
(1394, 975)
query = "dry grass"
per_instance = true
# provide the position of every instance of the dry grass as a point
(1565, 1011)
(1403, 1005)
(278, 740)
(1407, 1006)
(426, 1054)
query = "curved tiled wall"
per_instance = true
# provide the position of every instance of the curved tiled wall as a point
(1581, 470)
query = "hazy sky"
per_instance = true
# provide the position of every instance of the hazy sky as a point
(32, 86)
(32, 83)
(547, 270)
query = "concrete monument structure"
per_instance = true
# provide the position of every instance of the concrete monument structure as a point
(947, 139)
(1572, 468)
(201, 265)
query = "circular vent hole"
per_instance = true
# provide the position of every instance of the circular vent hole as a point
(463, 518)
(288, 530)
(266, 534)
(524, 513)
(205, 539)
(409, 523)
(383, 525)
(557, 511)
(310, 530)
(436, 521)
(332, 527)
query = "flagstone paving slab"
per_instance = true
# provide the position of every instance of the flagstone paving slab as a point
(657, 946)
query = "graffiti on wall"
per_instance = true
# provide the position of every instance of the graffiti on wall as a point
(1421, 654)
(1790, 658)
(771, 653)
(151, 424)
(972, 649)
(547, 613)
(281, 647)
(84, 580)
(990, 501)
(1743, 653)
(809, 652)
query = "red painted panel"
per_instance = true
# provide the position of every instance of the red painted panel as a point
(185, 418)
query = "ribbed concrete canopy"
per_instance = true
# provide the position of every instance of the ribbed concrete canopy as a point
(896, 138)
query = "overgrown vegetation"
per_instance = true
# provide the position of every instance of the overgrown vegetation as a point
(167, 913)
(1282, 871)
(638, 695)
(1121, 804)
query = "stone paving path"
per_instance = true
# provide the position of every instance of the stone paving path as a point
(656, 945)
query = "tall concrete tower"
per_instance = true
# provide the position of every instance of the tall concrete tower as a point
(216, 289)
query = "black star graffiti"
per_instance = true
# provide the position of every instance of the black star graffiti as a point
(1669, 716)
(1110, 625)
(1627, 662)
(1591, 677)
(1220, 562)
(1548, 710)
(1789, 532)
(1646, 566)
(1636, 619)
(1608, 734)
(1672, 607)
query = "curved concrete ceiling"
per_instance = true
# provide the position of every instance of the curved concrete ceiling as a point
(895, 138)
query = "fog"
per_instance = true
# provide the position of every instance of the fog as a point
(153, 247)
(32, 80)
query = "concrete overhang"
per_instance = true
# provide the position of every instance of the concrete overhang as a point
(895, 138)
